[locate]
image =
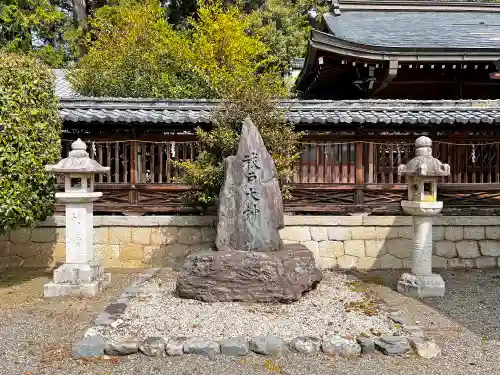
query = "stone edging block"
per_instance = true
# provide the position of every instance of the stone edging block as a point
(113, 311)
(290, 220)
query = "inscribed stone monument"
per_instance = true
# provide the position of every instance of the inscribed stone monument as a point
(251, 263)
(251, 207)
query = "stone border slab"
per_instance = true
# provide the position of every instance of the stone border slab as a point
(290, 220)
(114, 310)
(139, 221)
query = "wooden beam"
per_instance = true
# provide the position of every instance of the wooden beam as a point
(390, 74)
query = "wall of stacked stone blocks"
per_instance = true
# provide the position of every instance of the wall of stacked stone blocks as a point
(363, 242)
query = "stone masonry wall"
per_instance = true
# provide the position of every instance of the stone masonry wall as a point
(363, 242)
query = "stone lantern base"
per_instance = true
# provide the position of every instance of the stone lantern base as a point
(421, 286)
(73, 279)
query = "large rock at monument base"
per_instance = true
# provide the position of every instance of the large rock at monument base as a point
(250, 203)
(279, 276)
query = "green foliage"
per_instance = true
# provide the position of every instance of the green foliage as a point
(226, 56)
(206, 173)
(229, 61)
(48, 29)
(134, 52)
(284, 26)
(29, 139)
(179, 11)
(33, 26)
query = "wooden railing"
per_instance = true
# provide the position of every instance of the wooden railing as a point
(332, 176)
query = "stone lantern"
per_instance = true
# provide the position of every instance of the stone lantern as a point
(422, 173)
(81, 274)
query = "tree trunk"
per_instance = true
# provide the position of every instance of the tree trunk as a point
(80, 16)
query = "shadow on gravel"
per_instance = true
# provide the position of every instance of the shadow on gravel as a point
(472, 297)
(388, 278)
(14, 276)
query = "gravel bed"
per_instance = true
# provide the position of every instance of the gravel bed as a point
(37, 335)
(157, 311)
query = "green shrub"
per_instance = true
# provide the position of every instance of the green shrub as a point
(30, 130)
(206, 173)
(227, 59)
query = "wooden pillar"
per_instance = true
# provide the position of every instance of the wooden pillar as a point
(133, 198)
(360, 177)
(370, 163)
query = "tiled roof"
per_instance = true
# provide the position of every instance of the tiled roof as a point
(75, 109)
(297, 111)
(417, 29)
(419, 5)
(63, 89)
(405, 32)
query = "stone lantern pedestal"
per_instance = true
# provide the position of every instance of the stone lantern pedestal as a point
(81, 274)
(422, 173)
(421, 282)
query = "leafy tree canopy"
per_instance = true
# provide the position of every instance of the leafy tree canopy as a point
(240, 69)
(133, 51)
(34, 26)
(283, 24)
(54, 29)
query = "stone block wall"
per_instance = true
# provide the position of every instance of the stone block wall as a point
(381, 242)
(363, 242)
(119, 241)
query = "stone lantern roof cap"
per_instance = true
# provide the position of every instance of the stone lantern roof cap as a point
(424, 164)
(78, 161)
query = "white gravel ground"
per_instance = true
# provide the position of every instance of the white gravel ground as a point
(158, 312)
(37, 336)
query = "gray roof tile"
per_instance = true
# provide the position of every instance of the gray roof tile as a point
(417, 29)
(62, 86)
(297, 111)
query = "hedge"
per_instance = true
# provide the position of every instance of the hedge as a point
(30, 130)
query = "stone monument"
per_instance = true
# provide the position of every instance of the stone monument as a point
(251, 263)
(251, 207)
(422, 174)
(81, 274)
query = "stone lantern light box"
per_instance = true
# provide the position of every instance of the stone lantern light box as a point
(422, 172)
(81, 274)
(421, 189)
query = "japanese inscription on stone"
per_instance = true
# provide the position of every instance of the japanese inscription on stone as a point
(252, 169)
